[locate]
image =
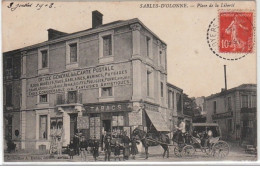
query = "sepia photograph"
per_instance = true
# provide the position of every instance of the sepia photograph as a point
(165, 82)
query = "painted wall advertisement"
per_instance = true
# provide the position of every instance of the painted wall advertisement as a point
(87, 78)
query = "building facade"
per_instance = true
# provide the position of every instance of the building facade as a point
(111, 77)
(235, 112)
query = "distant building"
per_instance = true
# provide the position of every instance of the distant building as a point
(235, 112)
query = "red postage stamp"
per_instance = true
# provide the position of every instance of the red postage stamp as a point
(235, 32)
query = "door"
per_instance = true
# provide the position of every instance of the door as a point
(107, 125)
(73, 125)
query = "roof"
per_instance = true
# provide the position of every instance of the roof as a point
(89, 31)
(243, 87)
(175, 87)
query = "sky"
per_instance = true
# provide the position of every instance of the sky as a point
(191, 64)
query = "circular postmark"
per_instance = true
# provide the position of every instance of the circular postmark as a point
(226, 39)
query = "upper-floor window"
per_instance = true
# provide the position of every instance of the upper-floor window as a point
(254, 101)
(160, 57)
(148, 83)
(107, 45)
(9, 95)
(161, 89)
(106, 92)
(9, 63)
(179, 102)
(148, 46)
(244, 101)
(44, 54)
(173, 100)
(169, 99)
(72, 97)
(73, 52)
(44, 98)
(214, 107)
(229, 106)
(43, 60)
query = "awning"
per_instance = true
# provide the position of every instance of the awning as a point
(158, 121)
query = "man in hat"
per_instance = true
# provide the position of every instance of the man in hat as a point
(107, 147)
(95, 149)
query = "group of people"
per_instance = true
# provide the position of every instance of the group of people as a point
(123, 146)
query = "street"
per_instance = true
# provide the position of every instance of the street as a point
(155, 155)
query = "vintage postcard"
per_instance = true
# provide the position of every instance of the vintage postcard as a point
(129, 82)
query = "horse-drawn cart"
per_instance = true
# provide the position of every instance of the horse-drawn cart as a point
(204, 137)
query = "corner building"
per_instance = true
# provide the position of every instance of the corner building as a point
(110, 78)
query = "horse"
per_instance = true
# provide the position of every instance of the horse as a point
(162, 139)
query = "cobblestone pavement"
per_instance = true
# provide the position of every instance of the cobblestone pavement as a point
(155, 155)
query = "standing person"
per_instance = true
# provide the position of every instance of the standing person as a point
(95, 148)
(117, 151)
(83, 149)
(134, 149)
(181, 129)
(126, 151)
(107, 142)
(76, 141)
(71, 149)
(59, 146)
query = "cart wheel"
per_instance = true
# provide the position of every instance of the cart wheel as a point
(220, 149)
(188, 151)
(177, 151)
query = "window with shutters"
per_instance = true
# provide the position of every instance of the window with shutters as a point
(253, 101)
(161, 89)
(214, 107)
(106, 92)
(106, 46)
(43, 98)
(60, 99)
(43, 60)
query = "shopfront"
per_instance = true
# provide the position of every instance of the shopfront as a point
(108, 118)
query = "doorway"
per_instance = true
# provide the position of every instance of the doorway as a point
(73, 125)
(107, 125)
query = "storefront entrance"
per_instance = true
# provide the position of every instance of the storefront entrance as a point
(73, 125)
(107, 125)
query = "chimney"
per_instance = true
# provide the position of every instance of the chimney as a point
(97, 19)
(53, 34)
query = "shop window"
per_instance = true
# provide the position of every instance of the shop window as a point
(94, 126)
(117, 124)
(215, 107)
(44, 98)
(254, 101)
(73, 52)
(72, 97)
(9, 95)
(9, 63)
(229, 106)
(107, 45)
(56, 126)
(43, 127)
(244, 101)
(44, 54)
(106, 92)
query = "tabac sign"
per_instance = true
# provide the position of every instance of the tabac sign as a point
(116, 107)
(80, 79)
(222, 115)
